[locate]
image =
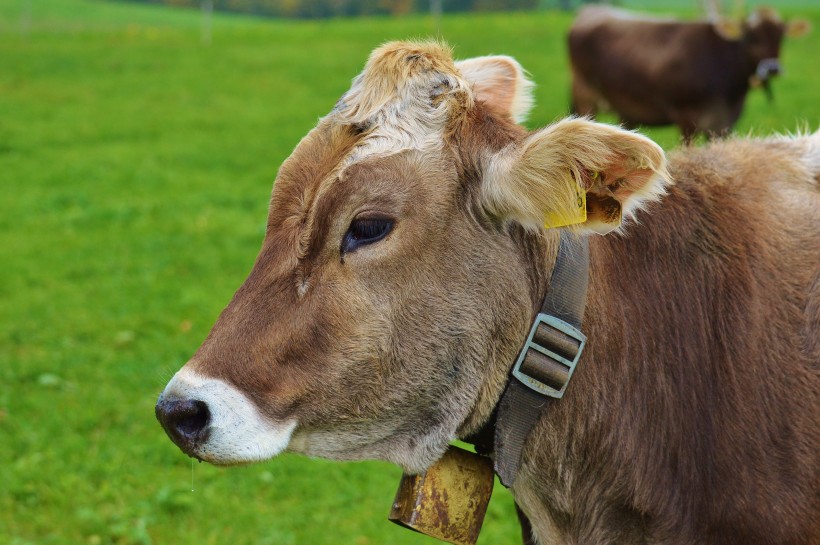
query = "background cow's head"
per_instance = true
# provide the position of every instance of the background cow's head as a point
(405, 255)
(761, 35)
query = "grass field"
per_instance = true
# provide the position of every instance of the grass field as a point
(135, 168)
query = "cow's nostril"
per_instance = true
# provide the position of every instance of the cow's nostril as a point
(185, 421)
(194, 419)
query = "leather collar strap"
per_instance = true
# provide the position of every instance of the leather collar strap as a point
(547, 360)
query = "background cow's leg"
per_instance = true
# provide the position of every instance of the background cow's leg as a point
(723, 120)
(716, 119)
(688, 130)
(526, 527)
(733, 113)
(631, 125)
(584, 98)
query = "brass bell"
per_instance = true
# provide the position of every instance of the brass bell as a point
(449, 500)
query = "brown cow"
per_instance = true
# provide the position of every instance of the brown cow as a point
(653, 71)
(406, 255)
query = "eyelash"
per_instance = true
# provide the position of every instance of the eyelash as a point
(364, 231)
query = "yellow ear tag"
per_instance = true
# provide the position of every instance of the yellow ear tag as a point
(576, 214)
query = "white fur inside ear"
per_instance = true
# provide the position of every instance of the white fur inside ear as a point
(500, 81)
(538, 178)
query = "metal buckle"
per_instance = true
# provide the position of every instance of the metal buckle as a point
(546, 362)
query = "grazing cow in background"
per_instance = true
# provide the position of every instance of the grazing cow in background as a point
(653, 71)
(405, 257)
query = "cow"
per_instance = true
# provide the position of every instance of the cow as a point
(656, 71)
(412, 237)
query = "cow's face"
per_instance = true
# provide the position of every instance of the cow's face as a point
(404, 257)
(763, 34)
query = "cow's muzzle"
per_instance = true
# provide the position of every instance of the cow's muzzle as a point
(767, 68)
(185, 421)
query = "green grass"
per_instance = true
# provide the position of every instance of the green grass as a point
(135, 169)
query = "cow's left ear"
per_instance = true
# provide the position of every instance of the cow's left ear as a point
(500, 82)
(575, 172)
(797, 28)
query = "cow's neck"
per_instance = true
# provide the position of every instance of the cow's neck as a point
(545, 364)
(581, 461)
(549, 482)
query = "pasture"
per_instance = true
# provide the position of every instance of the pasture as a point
(135, 167)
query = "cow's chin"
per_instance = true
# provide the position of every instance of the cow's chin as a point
(232, 448)
(413, 454)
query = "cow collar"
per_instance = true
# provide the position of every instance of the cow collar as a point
(545, 363)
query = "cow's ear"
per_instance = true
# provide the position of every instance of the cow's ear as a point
(575, 172)
(728, 29)
(500, 82)
(797, 28)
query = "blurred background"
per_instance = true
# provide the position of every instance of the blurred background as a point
(138, 145)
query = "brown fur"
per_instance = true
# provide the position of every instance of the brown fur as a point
(692, 417)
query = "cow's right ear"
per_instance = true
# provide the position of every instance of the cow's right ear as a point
(500, 82)
(797, 28)
(575, 172)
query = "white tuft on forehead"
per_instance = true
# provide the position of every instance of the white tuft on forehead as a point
(763, 14)
(403, 99)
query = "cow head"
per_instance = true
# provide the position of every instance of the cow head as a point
(404, 257)
(761, 34)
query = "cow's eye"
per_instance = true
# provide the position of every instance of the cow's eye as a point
(364, 231)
